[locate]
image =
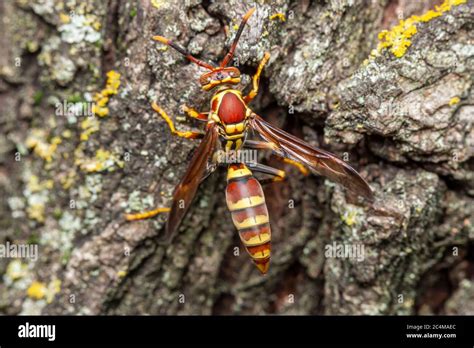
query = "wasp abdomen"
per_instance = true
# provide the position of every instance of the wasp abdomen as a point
(246, 202)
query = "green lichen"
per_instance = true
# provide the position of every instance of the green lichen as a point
(80, 28)
(37, 98)
(63, 70)
(37, 194)
(75, 98)
(61, 238)
(137, 202)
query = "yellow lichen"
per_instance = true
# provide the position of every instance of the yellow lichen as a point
(91, 21)
(64, 18)
(37, 192)
(38, 290)
(101, 99)
(279, 15)
(121, 274)
(35, 185)
(89, 125)
(96, 25)
(157, 3)
(68, 180)
(102, 160)
(454, 101)
(36, 212)
(66, 134)
(349, 217)
(53, 288)
(398, 39)
(37, 141)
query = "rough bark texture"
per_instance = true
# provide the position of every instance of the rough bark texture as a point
(405, 123)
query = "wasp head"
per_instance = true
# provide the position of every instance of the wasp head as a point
(219, 76)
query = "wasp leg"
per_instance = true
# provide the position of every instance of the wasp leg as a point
(256, 78)
(226, 31)
(193, 113)
(146, 214)
(262, 145)
(303, 170)
(277, 174)
(186, 134)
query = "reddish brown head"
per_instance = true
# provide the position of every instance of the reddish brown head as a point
(218, 75)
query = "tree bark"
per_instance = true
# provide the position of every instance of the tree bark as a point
(404, 122)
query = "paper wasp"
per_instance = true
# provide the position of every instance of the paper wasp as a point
(227, 125)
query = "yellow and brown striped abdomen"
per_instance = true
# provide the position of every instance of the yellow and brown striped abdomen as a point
(246, 203)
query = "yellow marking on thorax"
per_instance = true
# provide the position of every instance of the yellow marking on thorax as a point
(214, 83)
(251, 221)
(215, 117)
(235, 91)
(232, 131)
(236, 127)
(247, 202)
(235, 136)
(230, 128)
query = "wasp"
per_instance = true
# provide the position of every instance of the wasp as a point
(228, 123)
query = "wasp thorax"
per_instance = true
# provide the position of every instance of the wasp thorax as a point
(230, 75)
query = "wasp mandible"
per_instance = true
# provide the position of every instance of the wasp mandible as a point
(227, 125)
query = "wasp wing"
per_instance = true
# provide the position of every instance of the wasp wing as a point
(186, 189)
(318, 161)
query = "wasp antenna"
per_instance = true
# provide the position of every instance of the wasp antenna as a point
(182, 51)
(229, 55)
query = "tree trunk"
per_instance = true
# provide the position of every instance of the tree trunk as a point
(402, 118)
